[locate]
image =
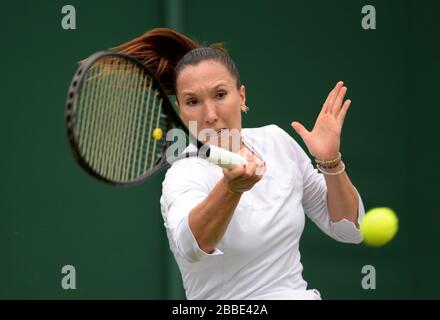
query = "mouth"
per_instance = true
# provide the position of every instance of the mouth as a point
(221, 131)
(217, 132)
(223, 137)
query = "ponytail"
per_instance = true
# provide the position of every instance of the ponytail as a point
(160, 50)
(166, 52)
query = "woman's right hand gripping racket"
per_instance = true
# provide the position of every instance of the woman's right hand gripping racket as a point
(118, 117)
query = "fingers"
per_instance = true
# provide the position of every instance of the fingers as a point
(300, 129)
(260, 165)
(243, 172)
(244, 177)
(261, 168)
(235, 173)
(343, 112)
(336, 108)
(250, 174)
(331, 97)
(334, 101)
(255, 170)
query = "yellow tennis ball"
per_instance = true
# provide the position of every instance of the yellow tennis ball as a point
(379, 226)
(157, 133)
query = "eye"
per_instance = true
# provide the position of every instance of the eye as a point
(191, 102)
(221, 94)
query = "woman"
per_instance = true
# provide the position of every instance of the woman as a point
(235, 233)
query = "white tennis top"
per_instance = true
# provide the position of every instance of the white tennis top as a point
(258, 257)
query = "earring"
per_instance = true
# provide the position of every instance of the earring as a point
(246, 108)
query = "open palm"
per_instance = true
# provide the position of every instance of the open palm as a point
(323, 141)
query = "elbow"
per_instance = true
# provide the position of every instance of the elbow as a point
(354, 239)
(205, 245)
(357, 240)
(202, 236)
(191, 245)
(349, 239)
(346, 231)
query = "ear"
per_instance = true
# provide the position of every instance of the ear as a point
(243, 98)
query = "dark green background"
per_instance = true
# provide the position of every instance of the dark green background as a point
(290, 54)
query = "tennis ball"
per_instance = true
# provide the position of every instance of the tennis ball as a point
(157, 133)
(379, 226)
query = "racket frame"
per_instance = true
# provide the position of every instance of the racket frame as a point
(173, 120)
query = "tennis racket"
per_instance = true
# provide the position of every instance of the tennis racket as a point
(117, 118)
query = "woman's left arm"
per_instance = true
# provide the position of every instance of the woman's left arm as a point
(323, 142)
(342, 197)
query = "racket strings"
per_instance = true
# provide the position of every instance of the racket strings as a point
(118, 108)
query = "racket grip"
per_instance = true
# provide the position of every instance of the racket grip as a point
(225, 158)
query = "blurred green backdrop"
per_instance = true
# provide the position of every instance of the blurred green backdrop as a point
(290, 54)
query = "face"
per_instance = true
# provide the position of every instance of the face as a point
(207, 94)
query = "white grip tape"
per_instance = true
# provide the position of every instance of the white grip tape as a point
(225, 158)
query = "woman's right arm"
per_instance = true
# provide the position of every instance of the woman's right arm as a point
(209, 220)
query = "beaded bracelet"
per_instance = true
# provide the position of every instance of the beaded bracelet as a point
(321, 168)
(329, 167)
(329, 162)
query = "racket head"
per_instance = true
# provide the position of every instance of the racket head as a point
(115, 113)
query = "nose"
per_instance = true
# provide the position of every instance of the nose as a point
(210, 113)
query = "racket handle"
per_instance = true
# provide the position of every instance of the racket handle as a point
(225, 158)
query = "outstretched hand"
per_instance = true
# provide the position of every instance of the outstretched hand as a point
(323, 141)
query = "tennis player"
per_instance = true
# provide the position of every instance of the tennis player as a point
(235, 233)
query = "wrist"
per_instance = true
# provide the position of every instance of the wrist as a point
(230, 190)
(333, 170)
(332, 167)
(329, 162)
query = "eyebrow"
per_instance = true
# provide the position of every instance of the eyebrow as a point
(189, 92)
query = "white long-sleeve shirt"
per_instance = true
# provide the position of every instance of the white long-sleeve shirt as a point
(258, 257)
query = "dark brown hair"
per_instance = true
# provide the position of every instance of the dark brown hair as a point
(167, 52)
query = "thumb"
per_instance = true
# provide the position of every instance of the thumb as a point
(299, 128)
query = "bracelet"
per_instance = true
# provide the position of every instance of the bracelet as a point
(329, 162)
(320, 168)
(330, 167)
